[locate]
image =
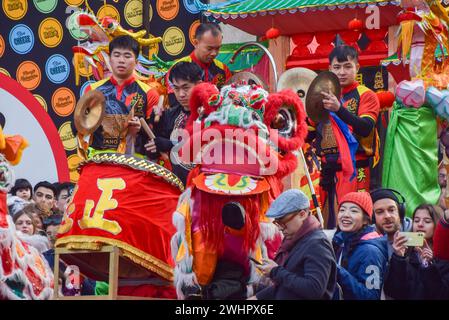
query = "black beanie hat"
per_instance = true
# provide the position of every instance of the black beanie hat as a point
(378, 194)
(382, 194)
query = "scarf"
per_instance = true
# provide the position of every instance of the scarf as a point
(310, 224)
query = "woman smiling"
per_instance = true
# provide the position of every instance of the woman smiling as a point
(361, 252)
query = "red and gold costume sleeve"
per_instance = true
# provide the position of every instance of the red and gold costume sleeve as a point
(369, 105)
(152, 100)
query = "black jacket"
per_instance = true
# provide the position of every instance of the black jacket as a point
(163, 130)
(407, 279)
(309, 273)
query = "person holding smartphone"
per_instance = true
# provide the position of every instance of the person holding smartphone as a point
(414, 273)
(304, 266)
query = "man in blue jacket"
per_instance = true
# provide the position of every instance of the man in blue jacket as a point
(304, 266)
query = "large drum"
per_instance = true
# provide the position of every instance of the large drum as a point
(126, 202)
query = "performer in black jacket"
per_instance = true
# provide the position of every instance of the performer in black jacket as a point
(183, 76)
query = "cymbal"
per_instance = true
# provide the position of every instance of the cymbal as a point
(328, 82)
(249, 77)
(89, 112)
(297, 79)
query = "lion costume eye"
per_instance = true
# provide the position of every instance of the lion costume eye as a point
(284, 122)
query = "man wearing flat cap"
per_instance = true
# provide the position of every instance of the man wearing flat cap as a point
(304, 266)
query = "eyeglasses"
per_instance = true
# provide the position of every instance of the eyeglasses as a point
(283, 224)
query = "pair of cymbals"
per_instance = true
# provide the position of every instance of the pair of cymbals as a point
(89, 112)
(309, 87)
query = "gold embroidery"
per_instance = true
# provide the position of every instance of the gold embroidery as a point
(106, 202)
(143, 165)
(328, 141)
(361, 176)
(136, 255)
(352, 105)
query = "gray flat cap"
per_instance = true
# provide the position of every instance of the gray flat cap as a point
(287, 202)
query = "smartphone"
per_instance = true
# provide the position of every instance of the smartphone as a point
(414, 239)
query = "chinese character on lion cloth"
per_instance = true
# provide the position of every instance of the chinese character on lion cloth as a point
(242, 141)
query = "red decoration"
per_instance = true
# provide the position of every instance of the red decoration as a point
(386, 99)
(272, 33)
(407, 16)
(142, 205)
(302, 39)
(355, 24)
(350, 37)
(377, 38)
(325, 40)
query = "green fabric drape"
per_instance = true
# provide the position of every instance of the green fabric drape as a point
(247, 58)
(411, 156)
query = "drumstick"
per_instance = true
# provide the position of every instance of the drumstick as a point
(159, 106)
(147, 129)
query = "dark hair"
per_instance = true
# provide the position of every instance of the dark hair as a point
(434, 211)
(187, 71)
(124, 42)
(21, 184)
(343, 53)
(53, 220)
(64, 186)
(205, 27)
(47, 185)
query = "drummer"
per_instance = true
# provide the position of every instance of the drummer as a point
(120, 130)
(207, 43)
(357, 108)
(183, 76)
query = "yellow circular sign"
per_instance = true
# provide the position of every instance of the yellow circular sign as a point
(50, 32)
(15, 9)
(134, 12)
(75, 3)
(173, 41)
(67, 136)
(167, 9)
(41, 101)
(28, 75)
(108, 11)
(2, 46)
(5, 72)
(63, 101)
(85, 69)
(73, 162)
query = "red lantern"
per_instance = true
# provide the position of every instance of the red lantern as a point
(302, 39)
(355, 24)
(272, 33)
(325, 43)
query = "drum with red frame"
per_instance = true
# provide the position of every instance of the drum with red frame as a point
(127, 202)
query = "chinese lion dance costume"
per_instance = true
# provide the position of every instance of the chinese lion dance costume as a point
(241, 142)
(24, 272)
